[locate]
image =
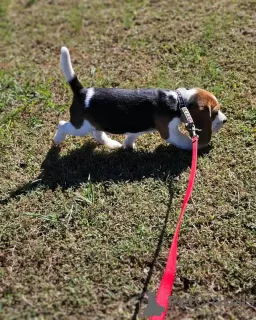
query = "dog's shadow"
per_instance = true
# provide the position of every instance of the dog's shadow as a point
(73, 169)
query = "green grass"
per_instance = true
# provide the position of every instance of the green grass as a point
(82, 226)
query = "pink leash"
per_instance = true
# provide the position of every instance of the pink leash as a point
(166, 284)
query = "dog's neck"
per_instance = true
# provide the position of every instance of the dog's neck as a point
(184, 95)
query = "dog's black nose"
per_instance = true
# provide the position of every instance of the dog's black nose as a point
(224, 121)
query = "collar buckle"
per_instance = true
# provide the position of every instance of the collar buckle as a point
(192, 130)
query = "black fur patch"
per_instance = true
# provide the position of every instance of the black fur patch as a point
(120, 111)
(75, 85)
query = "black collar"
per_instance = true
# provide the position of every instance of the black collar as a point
(181, 101)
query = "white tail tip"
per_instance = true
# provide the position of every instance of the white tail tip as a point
(64, 50)
(66, 65)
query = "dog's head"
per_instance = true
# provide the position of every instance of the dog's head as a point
(205, 111)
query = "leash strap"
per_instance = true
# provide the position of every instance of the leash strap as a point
(166, 284)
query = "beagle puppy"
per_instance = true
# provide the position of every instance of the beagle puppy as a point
(134, 112)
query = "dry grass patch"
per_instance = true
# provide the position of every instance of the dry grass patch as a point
(79, 226)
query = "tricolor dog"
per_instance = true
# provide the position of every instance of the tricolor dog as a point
(98, 111)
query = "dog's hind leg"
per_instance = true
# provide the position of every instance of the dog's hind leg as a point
(102, 138)
(65, 128)
(129, 142)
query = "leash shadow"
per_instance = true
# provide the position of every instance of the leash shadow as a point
(73, 169)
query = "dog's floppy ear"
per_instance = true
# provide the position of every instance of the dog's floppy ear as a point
(202, 119)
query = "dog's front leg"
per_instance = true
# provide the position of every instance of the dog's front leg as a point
(103, 138)
(176, 137)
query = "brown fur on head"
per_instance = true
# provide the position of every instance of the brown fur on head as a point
(205, 111)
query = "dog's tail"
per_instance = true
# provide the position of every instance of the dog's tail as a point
(68, 71)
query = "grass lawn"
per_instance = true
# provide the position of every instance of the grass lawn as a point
(80, 226)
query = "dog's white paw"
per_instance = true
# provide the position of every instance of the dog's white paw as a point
(55, 144)
(114, 144)
(57, 140)
(60, 135)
